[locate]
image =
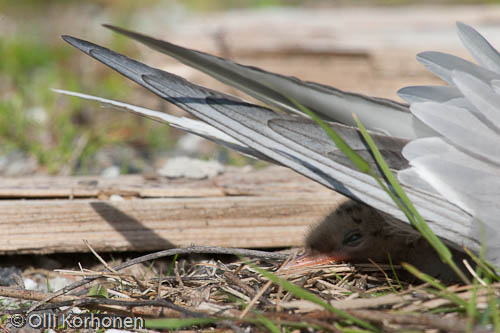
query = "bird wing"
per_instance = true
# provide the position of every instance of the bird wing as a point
(295, 142)
(277, 90)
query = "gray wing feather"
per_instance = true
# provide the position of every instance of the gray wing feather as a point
(186, 124)
(278, 90)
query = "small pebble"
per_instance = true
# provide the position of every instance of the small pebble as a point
(116, 197)
(111, 172)
(191, 168)
(8, 276)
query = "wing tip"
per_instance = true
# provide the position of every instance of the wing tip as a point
(68, 39)
(112, 27)
(78, 43)
(125, 32)
(408, 94)
(464, 29)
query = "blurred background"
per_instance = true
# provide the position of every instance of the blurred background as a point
(367, 47)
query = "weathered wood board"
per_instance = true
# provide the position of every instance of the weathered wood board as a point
(273, 207)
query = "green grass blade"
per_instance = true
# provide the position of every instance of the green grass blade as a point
(436, 284)
(395, 273)
(360, 163)
(398, 195)
(421, 225)
(177, 323)
(98, 290)
(171, 267)
(471, 308)
(484, 265)
(349, 330)
(414, 215)
(306, 295)
(493, 307)
(268, 324)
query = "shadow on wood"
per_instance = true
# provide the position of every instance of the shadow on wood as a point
(130, 228)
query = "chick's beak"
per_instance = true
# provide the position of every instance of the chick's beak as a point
(309, 259)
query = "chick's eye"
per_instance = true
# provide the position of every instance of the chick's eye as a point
(352, 238)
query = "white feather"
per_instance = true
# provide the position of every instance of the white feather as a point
(481, 95)
(479, 47)
(461, 127)
(419, 94)
(442, 64)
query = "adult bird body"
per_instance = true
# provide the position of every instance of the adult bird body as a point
(444, 146)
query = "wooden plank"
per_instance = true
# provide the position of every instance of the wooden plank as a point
(267, 211)
(235, 181)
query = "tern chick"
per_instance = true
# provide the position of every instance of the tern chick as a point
(355, 233)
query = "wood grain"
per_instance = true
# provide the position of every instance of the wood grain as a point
(260, 209)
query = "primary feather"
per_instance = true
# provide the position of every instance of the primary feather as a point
(276, 90)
